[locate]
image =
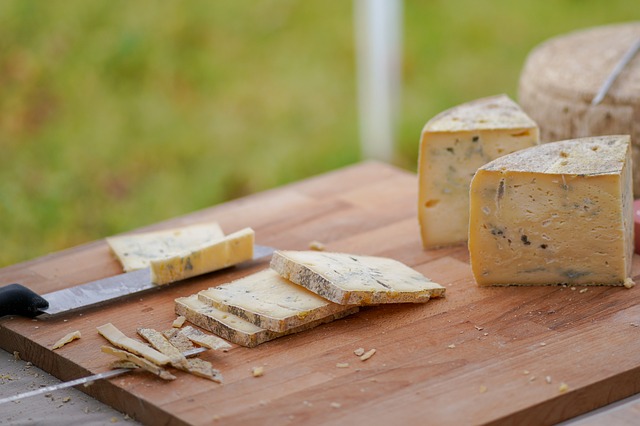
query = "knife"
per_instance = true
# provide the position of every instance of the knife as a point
(83, 380)
(16, 299)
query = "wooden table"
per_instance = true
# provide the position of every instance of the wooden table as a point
(478, 356)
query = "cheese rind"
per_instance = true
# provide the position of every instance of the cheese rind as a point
(558, 213)
(215, 255)
(236, 329)
(349, 279)
(269, 301)
(453, 145)
(136, 251)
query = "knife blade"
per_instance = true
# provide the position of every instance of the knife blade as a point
(83, 380)
(16, 299)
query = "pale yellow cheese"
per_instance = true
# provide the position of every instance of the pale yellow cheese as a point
(350, 279)
(454, 144)
(558, 213)
(136, 251)
(269, 301)
(236, 329)
(119, 339)
(211, 256)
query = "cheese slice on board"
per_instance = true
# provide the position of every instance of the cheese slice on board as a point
(558, 213)
(355, 280)
(211, 256)
(270, 301)
(453, 145)
(135, 251)
(236, 329)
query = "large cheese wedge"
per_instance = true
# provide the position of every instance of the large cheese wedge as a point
(211, 256)
(453, 145)
(557, 213)
(236, 329)
(135, 251)
(355, 280)
(270, 301)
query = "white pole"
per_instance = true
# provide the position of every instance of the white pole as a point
(378, 26)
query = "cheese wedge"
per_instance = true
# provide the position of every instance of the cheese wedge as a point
(355, 280)
(558, 213)
(135, 251)
(269, 301)
(452, 147)
(236, 329)
(212, 256)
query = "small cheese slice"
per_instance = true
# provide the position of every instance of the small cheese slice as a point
(453, 145)
(558, 213)
(215, 255)
(355, 280)
(140, 362)
(204, 339)
(119, 339)
(135, 251)
(66, 339)
(270, 301)
(236, 329)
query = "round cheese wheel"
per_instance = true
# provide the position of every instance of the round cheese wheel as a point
(561, 77)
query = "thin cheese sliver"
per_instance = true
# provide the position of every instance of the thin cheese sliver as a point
(140, 362)
(120, 340)
(355, 280)
(136, 251)
(269, 301)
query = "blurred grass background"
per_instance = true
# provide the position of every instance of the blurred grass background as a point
(118, 114)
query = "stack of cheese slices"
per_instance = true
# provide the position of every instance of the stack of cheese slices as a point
(533, 214)
(300, 290)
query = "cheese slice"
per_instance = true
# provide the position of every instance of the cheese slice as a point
(355, 280)
(269, 301)
(212, 256)
(558, 213)
(135, 251)
(236, 329)
(452, 147)
(119, 339)
(140, 362)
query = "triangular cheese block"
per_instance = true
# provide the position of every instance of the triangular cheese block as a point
(453, 145)
(558, 213)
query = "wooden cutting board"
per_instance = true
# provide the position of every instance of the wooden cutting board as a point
(478, 356)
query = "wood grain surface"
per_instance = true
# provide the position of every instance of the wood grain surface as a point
(478, 356)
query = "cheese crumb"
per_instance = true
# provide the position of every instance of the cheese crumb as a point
(66, 399)
(316, 245)
(477, 327)
(359, 352)
(257, 371)
(628, 283)
(525, 372)
(483, 389)
(451, 346)
(548, 379)
(367, 355)
(563, 387)
(342, 365)
(16, 355)
(584, 290)
(336, 405)
(178, 322)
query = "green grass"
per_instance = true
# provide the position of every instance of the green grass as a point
(116, 114)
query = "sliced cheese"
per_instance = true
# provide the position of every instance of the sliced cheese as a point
(66, 339)
(355, 280)
(558, 213)
(135, 251)
(179, 340)
(204, 339)
(119, 339)
(454, 144)
(269, 301)
(236, 329)
(217, 254)
(140, 362)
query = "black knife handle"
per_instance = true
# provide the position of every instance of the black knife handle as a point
(16, 299)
